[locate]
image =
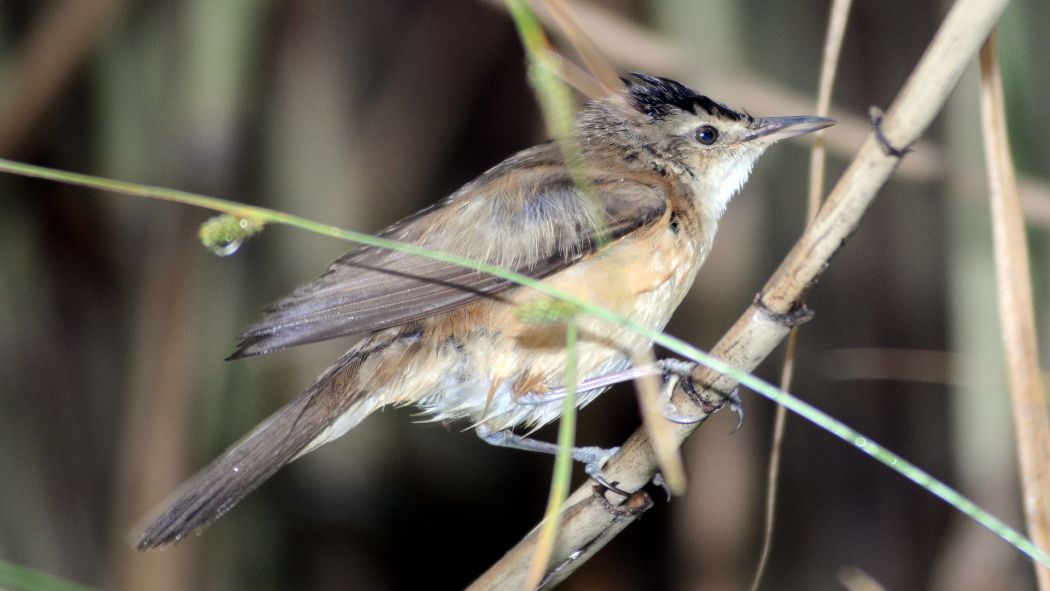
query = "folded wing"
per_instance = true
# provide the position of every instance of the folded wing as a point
(535, 230)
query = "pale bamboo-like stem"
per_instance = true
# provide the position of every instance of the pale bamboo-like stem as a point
(588, 522)
(1016, 310)
(837, 18)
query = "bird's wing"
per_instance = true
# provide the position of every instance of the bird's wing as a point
(532, 220)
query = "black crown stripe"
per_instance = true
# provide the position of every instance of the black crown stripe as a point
(659, 97)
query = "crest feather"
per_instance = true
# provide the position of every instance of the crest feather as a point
(659, 97)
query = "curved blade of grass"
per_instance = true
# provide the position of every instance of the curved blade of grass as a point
(21, 578)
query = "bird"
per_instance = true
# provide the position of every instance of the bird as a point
(660, 163)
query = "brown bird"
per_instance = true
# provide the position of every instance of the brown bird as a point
(661, 161)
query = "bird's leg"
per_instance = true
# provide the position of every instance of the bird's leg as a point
(592, 458)
(672, 371)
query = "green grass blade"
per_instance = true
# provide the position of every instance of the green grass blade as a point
(21, 578)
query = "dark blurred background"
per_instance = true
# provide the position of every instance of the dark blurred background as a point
(114, 321)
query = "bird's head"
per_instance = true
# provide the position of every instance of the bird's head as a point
(664, 125)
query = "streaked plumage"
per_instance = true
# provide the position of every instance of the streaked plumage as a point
(449, 339)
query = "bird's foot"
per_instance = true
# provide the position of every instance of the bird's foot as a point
(677, 369)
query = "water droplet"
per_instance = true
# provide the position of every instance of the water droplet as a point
(860, 442)
(224, 234)
(237, 468)
(226, 248)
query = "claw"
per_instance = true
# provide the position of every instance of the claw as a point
(673, 370)
(737, 406)
(670, 413)
(593, 459)
(595, 472)
(677, 368)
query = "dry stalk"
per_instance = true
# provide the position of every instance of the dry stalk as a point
(590, 521)
(1016, 311)
(837, 18)
(593, 60)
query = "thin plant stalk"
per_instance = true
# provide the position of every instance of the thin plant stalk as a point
(837, 19)
(592, 57)
(1016, 310)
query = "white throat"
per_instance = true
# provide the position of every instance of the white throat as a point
(716, 186)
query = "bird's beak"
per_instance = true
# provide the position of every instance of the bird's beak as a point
(774, 129)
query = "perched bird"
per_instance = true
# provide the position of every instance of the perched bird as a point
(661, 163)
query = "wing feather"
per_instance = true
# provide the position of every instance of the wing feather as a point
(535, 230)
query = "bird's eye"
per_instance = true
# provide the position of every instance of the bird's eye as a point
(706, 135)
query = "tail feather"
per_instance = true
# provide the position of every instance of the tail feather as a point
(281, 438)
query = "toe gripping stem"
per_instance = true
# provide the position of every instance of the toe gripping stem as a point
(683, 370)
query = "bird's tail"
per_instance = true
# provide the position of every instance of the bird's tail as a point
(335, 402)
